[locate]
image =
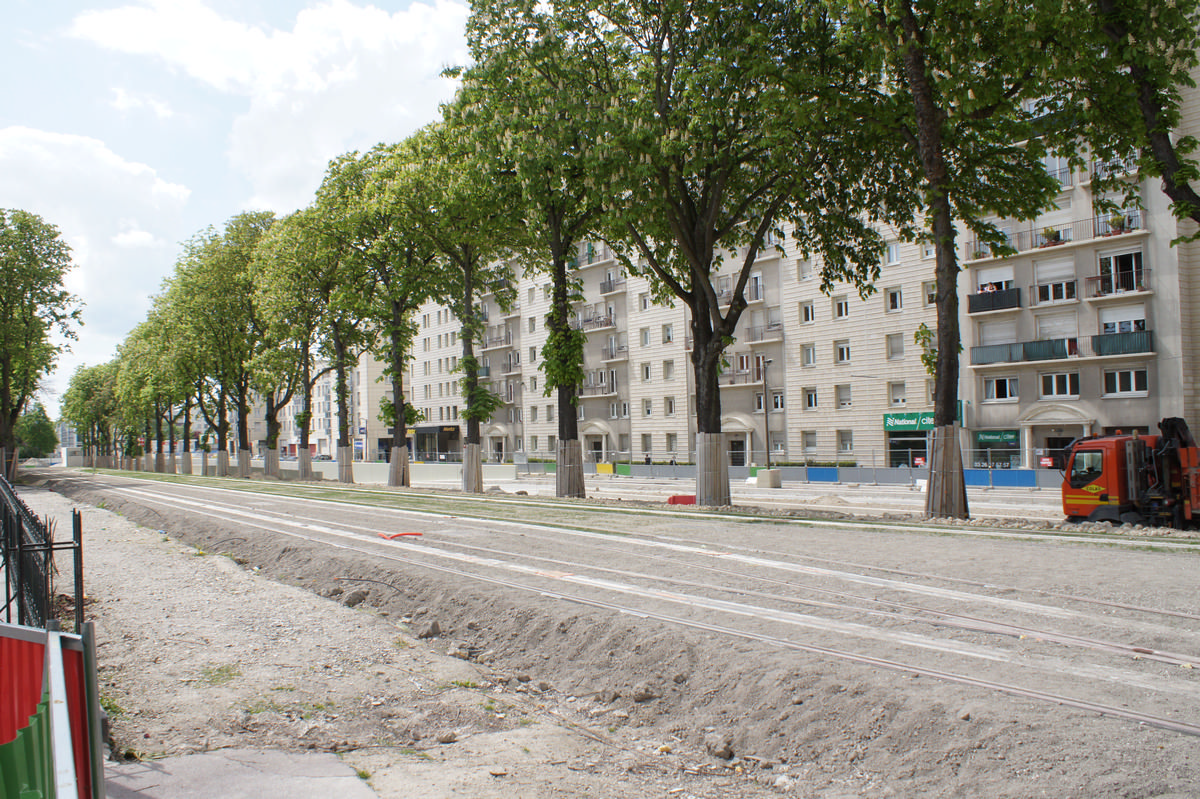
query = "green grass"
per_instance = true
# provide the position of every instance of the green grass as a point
(465, 684)
(111, 707)
(220, 675)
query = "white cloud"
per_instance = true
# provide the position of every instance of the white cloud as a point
(124, 100)
(344, 77)
(115, 214)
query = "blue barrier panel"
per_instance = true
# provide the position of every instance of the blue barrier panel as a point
(822, 474)
(977, 478)
(1014, 478)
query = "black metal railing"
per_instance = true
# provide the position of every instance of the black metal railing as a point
(1054, 235)
(29, 549)
(994, 300)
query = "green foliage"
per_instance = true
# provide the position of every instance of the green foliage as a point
(90, 406)
(482, 402)
(562, 358)
(35, 433)
(34, 305)
(387, 413)
(926, 339)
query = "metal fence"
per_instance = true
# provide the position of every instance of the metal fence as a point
(29, 570)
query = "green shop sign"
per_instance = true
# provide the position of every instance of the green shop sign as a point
(908, 422)
(913, 421)
(997, 437)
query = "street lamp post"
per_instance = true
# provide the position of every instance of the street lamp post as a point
(767, 412)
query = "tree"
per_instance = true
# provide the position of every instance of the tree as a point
(461, 204)
(212, 296)
(970, 102)
(35, 432)
(34, 305)
(1126, 82)
(530, 102)
(725, 121)
(89, 406)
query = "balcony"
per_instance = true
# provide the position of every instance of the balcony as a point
(753, 293)
(741, 377)
(497, 337)
(596, 323)
(508, 367)
(610, 286)
(483, 371)
(512, 310)
(1080, 230)
(1116, 283)
(598, 390)
(1117, 168)
(1001, 300)
(618, 352)
(768, 332)
(1098, 346)
(1133, 343)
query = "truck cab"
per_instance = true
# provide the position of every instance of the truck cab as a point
(1095, 485)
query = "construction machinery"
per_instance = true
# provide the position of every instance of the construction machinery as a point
(1136, 479)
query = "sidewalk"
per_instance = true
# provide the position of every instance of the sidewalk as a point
(236, 774)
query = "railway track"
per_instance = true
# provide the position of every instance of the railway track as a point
(1120, 659)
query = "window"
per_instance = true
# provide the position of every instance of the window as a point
(644, 301)
(1061, 384)
(645, 373)
(1119, 382)
(533, 413)
(759, 402)
(810, 399)
(808, 441)
(426, 344)
(804, 270)
(929, 292)
(841, 350)
(614, 410)
(532, 321)
(533, 354)
(647, 407)
(552, 441)
(644, 336)
(999, 389)
(845, 439)
(624, 410)
(647, 441)
(671, 440)
(668, 370)
(668, 406)
(928, 250)
(533, 382)
(532, 296)
(841, 307)
(550, 413)
(1123, 319)
(931, 391)
(808, 354)
(533, 440)
(1059, 291)
(895, 346)
(895, 300)
(842, 393)
(891, 254)
(427, 368)
(668, 334)
(896, 394)
(545, 297)
(807, 314)
(1121, 272)
(777, 400)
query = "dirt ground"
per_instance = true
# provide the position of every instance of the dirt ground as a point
(213, 638)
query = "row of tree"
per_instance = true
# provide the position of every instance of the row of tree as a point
(684, 133)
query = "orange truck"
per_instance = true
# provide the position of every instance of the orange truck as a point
(1136, 479)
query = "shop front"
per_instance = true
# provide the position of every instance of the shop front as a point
(907, 437)
(996, 449)
(437, 442)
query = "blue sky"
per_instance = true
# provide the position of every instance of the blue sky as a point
(134, 125)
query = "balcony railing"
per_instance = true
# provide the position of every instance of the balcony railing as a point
(765, 332)
(1119, 282)
(741, 377)
(614, 353)
(596, 323)
(1133, 343)
(1126, 166)
(497, 337)
(598, 390)
(1052, 236)
(994, 300)
(609, 286)
(752, 293)
(508, 367)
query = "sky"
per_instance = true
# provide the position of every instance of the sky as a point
(132, 126)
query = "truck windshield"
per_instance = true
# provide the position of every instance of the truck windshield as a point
(1086, 466)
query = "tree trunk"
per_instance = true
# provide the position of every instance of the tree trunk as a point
(345, 455)
(243, 461)
(712, 467)
(931, 149)
(304, 456)
(304, 469)
(568, 474)
(398, 473)
(472, 479)
(946, 495)
(185, 467)
(271, 464)
(223, 463)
